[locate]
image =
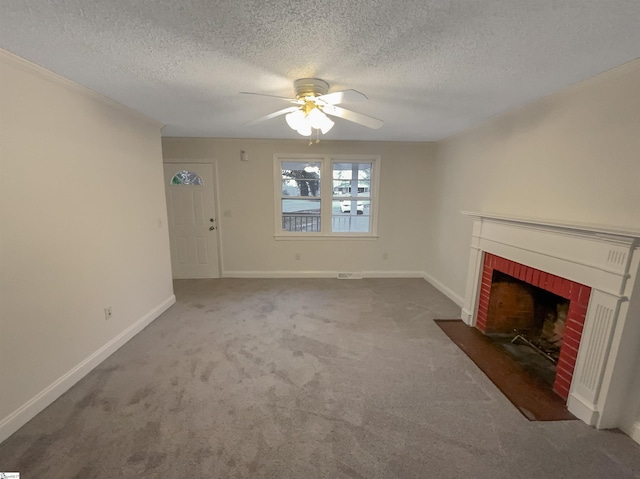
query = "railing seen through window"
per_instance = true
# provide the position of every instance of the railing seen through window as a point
(301, 196)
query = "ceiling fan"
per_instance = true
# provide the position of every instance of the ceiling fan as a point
(313, 103)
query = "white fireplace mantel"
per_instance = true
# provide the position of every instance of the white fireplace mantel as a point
(607, 259)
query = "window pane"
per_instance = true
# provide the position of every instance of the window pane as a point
(301, 178)
(352, 179)
(308, 207)
(186, 177)
(350, 224)
(348, 171)
(301, 188)
(301, 215)
(350, 216)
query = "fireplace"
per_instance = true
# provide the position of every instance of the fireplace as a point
(594, 271)
(530, 306)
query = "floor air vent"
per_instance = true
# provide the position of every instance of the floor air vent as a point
(349, 275)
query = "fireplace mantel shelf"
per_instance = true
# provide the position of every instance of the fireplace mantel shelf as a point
(584, 228)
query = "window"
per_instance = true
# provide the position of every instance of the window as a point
(326, 196)
(186, 177)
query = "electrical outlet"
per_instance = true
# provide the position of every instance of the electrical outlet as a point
(297, 256)
(385, 255)
(107, 312)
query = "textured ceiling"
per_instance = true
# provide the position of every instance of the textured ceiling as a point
(431, 68)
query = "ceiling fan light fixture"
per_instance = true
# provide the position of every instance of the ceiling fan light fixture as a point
(304, 129)
(326, 124)
(315, 117)
(295, 119)
(307, 118)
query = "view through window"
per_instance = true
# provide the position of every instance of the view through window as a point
(326, 196)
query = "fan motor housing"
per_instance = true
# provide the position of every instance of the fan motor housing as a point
(310, 87)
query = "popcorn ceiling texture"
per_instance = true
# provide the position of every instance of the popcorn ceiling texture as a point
(431, 68)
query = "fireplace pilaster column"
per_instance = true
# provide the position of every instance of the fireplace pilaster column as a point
(474, 275)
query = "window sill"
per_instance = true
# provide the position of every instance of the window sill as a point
(312, 237)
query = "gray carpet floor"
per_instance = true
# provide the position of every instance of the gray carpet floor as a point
(315, 378)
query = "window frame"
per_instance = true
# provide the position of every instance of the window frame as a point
(326, 196)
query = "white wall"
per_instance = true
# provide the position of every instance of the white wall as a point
(573, 156)
(247, 189)
(80, 204)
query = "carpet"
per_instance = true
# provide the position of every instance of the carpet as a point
(531, 396)
(302, 378)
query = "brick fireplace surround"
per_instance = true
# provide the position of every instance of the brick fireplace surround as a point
(596, 268)
(578, 295)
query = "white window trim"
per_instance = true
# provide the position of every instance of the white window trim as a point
(326, 197)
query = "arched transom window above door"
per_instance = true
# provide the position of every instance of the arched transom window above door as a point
(186, 177)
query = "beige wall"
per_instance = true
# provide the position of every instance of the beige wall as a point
(573, 156)
(80, 202)
(247, 190)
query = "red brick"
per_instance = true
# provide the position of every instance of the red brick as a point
(561, 385)
(571, 334)
(563, 377)
(523, 273)
(556, 286)
(496, 263)
(571, 345)
(503, 263)
(568, 356)
(579, 309)
(567, 365)
(529, 276)
(575, 325)
(569, 353)
(542, 280)
(566, 289)
(562, 391)
(535, 278)
(585, 292)
(575, 293)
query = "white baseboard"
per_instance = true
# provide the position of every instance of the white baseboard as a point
(582, 409)
(456, 298)
(392, 274)
(27, 411)
(318, 274)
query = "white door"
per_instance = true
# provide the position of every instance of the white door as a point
(193, 226)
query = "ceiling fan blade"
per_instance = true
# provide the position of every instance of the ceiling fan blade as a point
(342, 96)
(291, 100)
(353, 116)
(274, 114)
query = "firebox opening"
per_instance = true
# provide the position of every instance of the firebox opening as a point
(528, 322)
